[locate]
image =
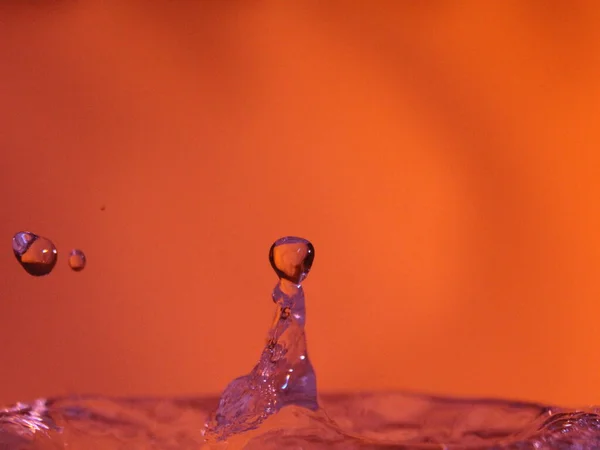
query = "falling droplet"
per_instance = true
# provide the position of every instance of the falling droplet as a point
(77, 260)
(36, 254)
(292, 258)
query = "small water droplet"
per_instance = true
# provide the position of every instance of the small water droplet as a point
(77, 260)
(291, 258)
(36, 254)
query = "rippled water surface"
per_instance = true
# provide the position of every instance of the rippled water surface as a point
(356, 421)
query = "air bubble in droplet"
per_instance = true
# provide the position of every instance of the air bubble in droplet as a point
(36, 254)
(292, 258)
(77, 260)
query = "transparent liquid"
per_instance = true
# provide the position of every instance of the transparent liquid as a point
(355, 421)
(36, 254)
(276, 405)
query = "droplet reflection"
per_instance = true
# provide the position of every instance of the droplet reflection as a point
(36, 254)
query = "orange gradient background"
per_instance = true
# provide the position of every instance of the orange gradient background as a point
(441, 156)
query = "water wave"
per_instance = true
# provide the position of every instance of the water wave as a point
(385, 420)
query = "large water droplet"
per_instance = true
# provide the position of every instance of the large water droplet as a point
(77, 260)
(36, 254)
(292, 258)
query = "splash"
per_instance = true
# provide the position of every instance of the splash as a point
(284, 375)
(274, 406)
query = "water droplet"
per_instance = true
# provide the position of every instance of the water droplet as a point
(36, 254)
(77, 260)
(291, 258)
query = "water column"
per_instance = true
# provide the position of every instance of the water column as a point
(283, 375)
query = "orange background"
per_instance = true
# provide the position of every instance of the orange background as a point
(442, 157)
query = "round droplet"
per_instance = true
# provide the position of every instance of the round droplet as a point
(36, 254)
(291, 258)
(77, 260)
